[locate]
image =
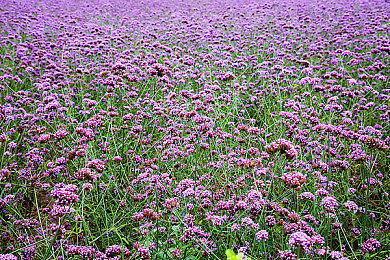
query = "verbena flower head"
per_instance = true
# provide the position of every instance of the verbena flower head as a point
(262, 235)
(300, 239)
(329, 203)
(369, 246)
(351, 206)
(8, 257)
(65, 194)
(287, 255)
(283, 146)
(294, 180)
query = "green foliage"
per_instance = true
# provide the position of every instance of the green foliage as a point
(232, 256)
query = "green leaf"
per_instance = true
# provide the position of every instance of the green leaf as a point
(230, 255)
(126, 241)
(240, 256)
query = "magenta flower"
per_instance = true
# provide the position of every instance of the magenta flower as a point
(262, 235)
(287, 255)
(283, 146)
(301, 239)
(369, 246)
(294, 180)
(8, 257)
(351, 206)
(329, 203)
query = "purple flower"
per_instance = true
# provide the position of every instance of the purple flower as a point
(116, 250)
(235, 227)
(300, 239)
(369, 246)
(96, 164)
(351, 206)
(336, 254)
(117, 159)
(283, 146)
(287, 255)
(8, 257)
(294, 180)
(85, 174)
(307, 195)
(270, 220)
(65, 194)
(143, 253)
(215, 219)
(329, 203)
(87, 186)
(83, 251)
(321, 192)
(262, 235)
(246, 222)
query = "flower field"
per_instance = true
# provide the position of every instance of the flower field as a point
(183, 129)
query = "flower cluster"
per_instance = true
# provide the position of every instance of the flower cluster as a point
(282, 146)
(301, 239)
(370, 245)
(329, 203)
(85, 174)
(82, 251)
(262, 235)
(8, 257)
(65, 194)
(294, 180)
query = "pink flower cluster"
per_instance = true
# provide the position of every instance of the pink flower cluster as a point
(294, 180)
(370, 245)
(283, 146)
(299, 238)
(329, 203)
(65, 194)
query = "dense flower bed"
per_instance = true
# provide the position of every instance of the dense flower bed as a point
(180, 129)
